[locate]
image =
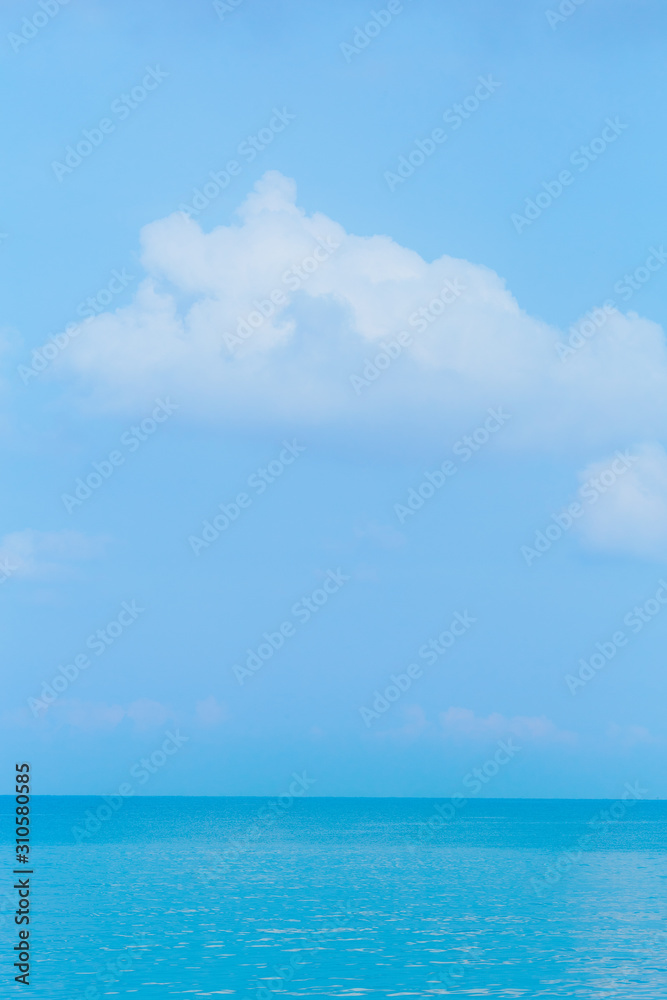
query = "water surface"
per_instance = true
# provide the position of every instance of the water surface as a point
(345, 897)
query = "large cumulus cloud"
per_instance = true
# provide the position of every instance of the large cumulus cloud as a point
(306, 363)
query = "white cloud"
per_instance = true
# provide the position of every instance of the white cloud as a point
(46, 554)
(414, 725)
(462, 722)
(294, 370)
(88, 716)
(211, 712)
(630, 516)
(143, 715)
(385, 536)
(93, 716)
(627, 737)
(147, 714)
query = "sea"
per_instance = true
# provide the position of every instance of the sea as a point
(245, 897)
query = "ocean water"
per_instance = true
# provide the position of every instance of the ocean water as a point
(190, 897)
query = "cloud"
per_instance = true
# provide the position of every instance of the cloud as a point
(95, 716)
(88, 716)
(627, 737)
(92, 716)
(140, 716)
(210, 712)
(463, 723)
(44, 555)
(415, 724)
(385, 536)
(148, 714)
(629, 516)
(246, 325)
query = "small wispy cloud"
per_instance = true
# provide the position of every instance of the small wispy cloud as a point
(462, 722)
(47, 555)
(629, 515)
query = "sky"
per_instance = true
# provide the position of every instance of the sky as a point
(334, 396)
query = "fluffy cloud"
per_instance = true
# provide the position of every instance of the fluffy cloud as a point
(629, 517)
(87, 716)
(627, 737)
(211, 712)
(415, 724)
(246, 324)
(462, 722)
(94, 716)
(147, 714)
(45, 555)
(143, 715)
(383, 535)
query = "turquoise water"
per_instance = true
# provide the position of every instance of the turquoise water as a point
(345, 897)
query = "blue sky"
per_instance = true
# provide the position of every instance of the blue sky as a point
(338, 124)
